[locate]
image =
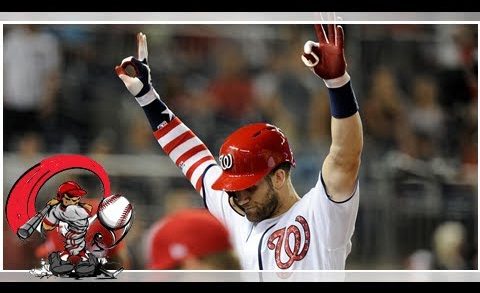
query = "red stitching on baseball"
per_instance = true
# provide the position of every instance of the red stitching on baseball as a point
(108, 201)
(123, 217)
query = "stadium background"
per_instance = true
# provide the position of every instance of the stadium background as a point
(416, 85)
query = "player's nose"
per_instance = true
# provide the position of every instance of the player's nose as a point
(242, 198)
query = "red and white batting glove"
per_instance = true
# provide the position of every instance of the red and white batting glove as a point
(326, 58)
(135, 73)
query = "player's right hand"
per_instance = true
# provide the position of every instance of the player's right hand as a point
(134, 72)
(53, 202)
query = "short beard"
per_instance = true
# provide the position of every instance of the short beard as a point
(268, 208)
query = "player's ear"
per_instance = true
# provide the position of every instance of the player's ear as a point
(279, 179)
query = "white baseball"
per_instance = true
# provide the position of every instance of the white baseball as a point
(115, 211)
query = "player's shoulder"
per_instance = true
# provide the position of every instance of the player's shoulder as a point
(318, 190)
(319, 193)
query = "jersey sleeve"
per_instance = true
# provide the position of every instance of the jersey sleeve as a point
(217, 202)
(76, 212)
(197, 164)
(186, 150)
(336, 220)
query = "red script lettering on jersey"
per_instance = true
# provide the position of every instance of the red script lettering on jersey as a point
(282, 238)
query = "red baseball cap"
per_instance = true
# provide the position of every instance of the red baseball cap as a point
(71, 188)
(183, 234)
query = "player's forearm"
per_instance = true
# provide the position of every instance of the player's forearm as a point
(347, 134)
(155, 109)
(47, 225)
(340, 168)
(347, 140)
(182, 146)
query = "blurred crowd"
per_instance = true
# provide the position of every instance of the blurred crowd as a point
(417, 87)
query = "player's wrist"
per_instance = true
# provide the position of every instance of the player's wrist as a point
(343, 102)
(148, 98)
(155, 109)
(337, 82)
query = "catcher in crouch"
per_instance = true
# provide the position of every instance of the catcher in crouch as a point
(250, 190)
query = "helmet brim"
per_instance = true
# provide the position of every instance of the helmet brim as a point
(228, 182)
(76, 192)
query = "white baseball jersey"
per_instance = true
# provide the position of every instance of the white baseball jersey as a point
(76, 217)
(314, 234)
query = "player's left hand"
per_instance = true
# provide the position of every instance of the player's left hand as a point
(326, 58)
(134, 72)
(53, 202)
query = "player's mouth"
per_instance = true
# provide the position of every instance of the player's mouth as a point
(247, 209)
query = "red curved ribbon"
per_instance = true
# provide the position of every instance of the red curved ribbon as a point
(20, 206)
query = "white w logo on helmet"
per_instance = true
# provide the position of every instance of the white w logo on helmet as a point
(226, 161)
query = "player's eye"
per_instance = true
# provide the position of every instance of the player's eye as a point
(74, 199)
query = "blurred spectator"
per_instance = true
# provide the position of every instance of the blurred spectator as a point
(426, 115)
(81, 72)
(267, 97)
(179, 199)
(137, 139)
(29, 146)
(450, 247)
(293, 91)
(231, 92)
(421, 259)
(104, 144)
(385, 111)
(190, 239)
(31, 63)
(465, 39)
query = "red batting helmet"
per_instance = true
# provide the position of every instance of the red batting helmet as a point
(71, 188)
(249, 154)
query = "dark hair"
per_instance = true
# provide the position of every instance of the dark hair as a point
(285, 166)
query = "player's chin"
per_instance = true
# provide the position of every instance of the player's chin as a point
(253, 215)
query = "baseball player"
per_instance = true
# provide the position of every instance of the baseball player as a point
(55, 241)
(250, 190)
(71, 216)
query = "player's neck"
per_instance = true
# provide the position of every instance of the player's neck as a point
(287, 197)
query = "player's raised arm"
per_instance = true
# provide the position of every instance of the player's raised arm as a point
(177, 140)
(327, 60)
